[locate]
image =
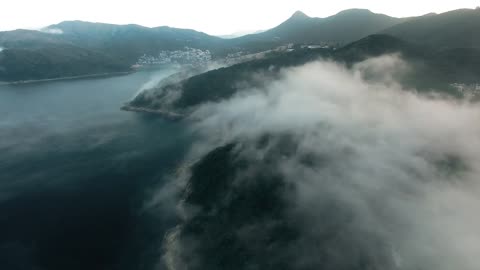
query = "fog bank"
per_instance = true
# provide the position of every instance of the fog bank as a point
(389, 175)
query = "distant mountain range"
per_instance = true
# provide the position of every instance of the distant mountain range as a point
(128, 42)
(74, 48)
(344, 27)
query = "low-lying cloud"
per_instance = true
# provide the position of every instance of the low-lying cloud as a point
(397, 170)
(53, 31)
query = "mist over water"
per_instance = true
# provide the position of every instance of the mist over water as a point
(326, 167)
(75, 171)
(332, 168)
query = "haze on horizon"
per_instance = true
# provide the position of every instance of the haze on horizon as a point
(215, 17)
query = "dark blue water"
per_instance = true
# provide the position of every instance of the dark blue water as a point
(75, 173)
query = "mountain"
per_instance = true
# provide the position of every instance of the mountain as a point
(453, 29)
(344, 27)
(29, 39)
(376, 45)
(75, 48)
(55, 62)
(218, 84)
(129, 42)
(86, 47)
(34, 55)
(430, 69)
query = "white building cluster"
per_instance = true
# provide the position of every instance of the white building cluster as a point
(190, 56)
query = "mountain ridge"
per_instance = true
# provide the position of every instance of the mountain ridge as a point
(456, 28)
(125, 44)
(341, 28)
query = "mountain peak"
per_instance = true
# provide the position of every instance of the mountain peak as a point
(355, 11)
(299, 15)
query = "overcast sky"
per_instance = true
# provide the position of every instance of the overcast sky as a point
(210, 16)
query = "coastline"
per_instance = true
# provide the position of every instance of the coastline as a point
(98, 75)
(166, 114)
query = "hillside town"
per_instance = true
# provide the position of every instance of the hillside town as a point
(198, 57)
(190, 56)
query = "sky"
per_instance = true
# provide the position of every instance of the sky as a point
(216, 17)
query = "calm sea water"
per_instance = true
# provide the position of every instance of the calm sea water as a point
(75, 172)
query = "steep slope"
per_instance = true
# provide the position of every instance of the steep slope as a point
(454, 29)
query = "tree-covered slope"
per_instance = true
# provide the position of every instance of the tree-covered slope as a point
(341, 28)
(55, 62)
(429, 69)
(453, 29)
(129, 42)
(75, 44)
(222, 83)
(75, 48)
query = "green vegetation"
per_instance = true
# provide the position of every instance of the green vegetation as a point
(55, 62)
(344, 27)
(454, 29)
(239, 216)
(431, 70)
(225, 206)
(129, 42)
(85, 48)
(224, 82)
(81, 48)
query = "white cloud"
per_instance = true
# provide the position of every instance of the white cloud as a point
(403, 168)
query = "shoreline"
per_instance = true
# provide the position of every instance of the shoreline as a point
(166, 114)
(98, 75)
